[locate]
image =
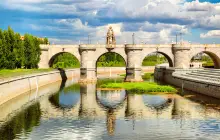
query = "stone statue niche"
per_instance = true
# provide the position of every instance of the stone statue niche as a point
(110, 43)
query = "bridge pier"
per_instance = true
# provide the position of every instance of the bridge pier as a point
(133, 69)
(88, 65)
(181, 56)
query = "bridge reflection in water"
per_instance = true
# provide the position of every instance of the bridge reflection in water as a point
(84, 103)
(110, 104)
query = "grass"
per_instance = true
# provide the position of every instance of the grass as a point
(111, 64)
(146, 76)
(140, 87)
(6, 73)
(151, 63)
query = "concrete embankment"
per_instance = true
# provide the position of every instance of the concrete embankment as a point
(204, 81)
(16, 86)
(14, 105)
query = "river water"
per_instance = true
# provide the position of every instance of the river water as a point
(70, 111)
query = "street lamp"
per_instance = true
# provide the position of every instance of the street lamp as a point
(133, 39)
(181, 39)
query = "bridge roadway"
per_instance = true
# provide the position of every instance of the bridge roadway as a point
(178, 56)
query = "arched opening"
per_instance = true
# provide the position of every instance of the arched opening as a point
(157, 58)
(152, 60)
(110, 63)
(205, 60)
(64, 60)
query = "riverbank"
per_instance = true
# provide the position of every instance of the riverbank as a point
(6, 73)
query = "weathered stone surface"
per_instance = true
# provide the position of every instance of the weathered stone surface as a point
(178, 56)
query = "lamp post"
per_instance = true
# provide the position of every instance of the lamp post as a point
(133, 39)
(181, 38)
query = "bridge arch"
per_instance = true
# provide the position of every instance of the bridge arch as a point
(167, 56)
(118, 53)
(212, 55)
(53, 57)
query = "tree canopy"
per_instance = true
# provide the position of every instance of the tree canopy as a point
(18, 52)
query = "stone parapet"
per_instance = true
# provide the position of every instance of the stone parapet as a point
(87, 48)
(133, 47)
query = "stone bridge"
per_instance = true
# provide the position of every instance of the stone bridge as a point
(178, 56)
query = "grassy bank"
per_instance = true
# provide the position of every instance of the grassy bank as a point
(6, 73)
(140, 87)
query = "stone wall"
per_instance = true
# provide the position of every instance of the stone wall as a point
(166, 75)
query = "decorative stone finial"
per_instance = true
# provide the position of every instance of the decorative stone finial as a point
(110, 39)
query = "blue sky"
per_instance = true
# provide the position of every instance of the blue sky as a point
(152, 21)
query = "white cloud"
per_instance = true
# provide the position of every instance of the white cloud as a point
(198, 6)
(150, 19)
(211, 34)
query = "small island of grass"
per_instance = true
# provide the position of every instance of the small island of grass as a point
(141, 87)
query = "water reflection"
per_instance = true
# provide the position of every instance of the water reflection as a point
(83, 112)
(22, 124)
(66, 98)
(111, 98)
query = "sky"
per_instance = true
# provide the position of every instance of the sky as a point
(152, 21)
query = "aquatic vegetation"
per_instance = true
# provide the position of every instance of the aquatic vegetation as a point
(140, 87)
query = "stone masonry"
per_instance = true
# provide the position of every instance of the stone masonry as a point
(179, 56)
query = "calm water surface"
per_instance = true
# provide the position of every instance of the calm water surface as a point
(85, 112)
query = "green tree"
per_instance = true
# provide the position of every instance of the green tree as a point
(15, 53)
(11, 43)
(2, 56)
(32, 51)
(19, 51)
(36, 53)
(6, 50)
(46, 41)
(28, 45)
